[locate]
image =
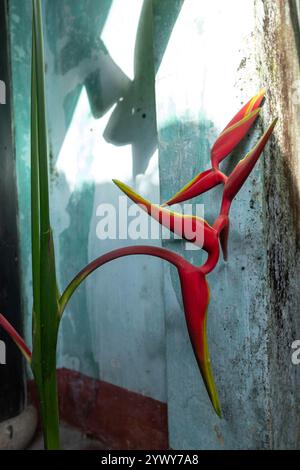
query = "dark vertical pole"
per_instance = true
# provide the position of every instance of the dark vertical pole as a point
(12, 372)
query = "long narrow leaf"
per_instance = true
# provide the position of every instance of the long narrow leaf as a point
(45, 292)
(35, 203)
(39, 92)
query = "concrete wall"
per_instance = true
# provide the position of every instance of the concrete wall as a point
(208, 58)
(219, 55)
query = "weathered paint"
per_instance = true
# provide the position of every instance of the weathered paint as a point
(220, 54)
(119, 418)
(114, 327)
(279, 61)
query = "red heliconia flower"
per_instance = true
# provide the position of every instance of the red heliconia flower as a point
(229, 138)
(194, 287)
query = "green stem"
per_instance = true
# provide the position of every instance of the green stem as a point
(46, 382)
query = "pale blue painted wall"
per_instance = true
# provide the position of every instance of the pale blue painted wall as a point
(211, 66)
(114, 327)
(189, 118)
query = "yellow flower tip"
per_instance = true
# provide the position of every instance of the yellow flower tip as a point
(249, 116)
(261, 92)
(257, 98)
(218, 410)
(256, 111)
(135, 197)
(239, 123)
(121, 185)
(216, 403)
(117, 182)
(271, 126)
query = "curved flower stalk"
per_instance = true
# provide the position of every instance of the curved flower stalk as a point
(10, 330)
(229, 138)
(195, 296)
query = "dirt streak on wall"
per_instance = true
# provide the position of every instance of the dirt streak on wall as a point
(278, 64)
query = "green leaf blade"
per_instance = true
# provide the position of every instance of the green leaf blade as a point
(45, 292)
